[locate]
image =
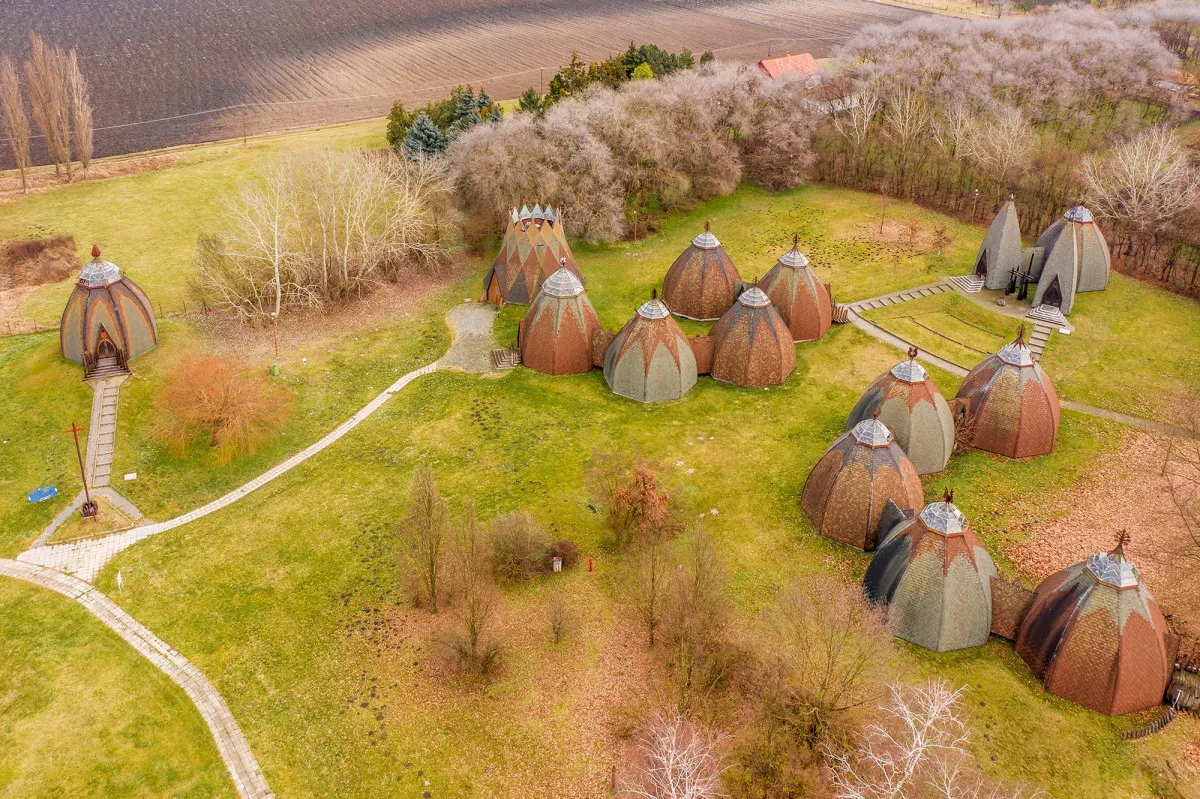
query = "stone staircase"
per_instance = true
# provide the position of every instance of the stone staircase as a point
(1039, 338)
(968, 283)
(103, 435)
(504, 358)
(1048, 314)
(898, 297)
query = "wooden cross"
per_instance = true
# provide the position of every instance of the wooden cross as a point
(88, 511)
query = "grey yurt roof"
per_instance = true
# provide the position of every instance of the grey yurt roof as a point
(1079, 214)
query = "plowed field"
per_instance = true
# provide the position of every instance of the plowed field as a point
(176, 71)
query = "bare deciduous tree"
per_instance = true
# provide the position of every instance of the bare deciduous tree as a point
(696, 616)
(49, 96)
(823, 650)
(13, 117)
(1002, 143)
(646, 578)
(678, 760)
(1143, 184)
(424, 531)
(82, 127)
(473, 642)
(1181, 467)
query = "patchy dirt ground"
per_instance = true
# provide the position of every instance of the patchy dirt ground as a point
(26, 264)
(44, 179)
(1125, 491)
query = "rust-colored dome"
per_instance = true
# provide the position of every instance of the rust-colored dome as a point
(799, 296)
(556, 334)
(703, 281)
(650, 360)
(751, 344)
(534, 248)
(846, 492)
(1011, 403)
(1095, 635)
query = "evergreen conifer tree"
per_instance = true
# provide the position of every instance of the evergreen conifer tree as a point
(423, 139)
(530, 101)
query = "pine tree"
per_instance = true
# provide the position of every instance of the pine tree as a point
(398, 120)
(530, 101)
(642, 72)
(482, 100)
(496, 115)
(423, 139)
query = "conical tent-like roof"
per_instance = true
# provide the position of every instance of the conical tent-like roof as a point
(1075, 258)
(913, 408)
(1095, 635)
(534, 247)
(751, 344)
(106, 310)
(798, 294)
(846, 492)
(935, 578)
(556, 334)
(1000, 252)
(702, 283)
(1011, 403)
(650, 360)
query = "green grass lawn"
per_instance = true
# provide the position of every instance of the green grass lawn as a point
(147, 223)
(40, 395)
(288, 600)
(948, 325)
(83, 714)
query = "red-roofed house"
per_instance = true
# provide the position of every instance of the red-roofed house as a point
(802, 64)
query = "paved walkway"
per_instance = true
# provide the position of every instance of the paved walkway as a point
(84, 559)
(231, 743)
(471, 352)
(102, 435)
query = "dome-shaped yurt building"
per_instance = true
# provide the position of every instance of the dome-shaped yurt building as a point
(650, 359)
(1095, 635)
(703, 282)
(913, 408)
(1070, 256)
(108, 319)
(846, 492)
(1011, 405)
(798, 295)
(935, 578)
(534, 247)
(751, 344)
(556, 335)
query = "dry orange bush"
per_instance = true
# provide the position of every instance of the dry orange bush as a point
(223, 401)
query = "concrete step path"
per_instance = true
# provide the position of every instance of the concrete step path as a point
(102, 435)
(231, 743)
(897, 297)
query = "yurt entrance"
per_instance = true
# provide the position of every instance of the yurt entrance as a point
(981, 266)
(1053, 295)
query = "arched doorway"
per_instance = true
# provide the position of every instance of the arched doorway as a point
(105, 346)
(981, 265)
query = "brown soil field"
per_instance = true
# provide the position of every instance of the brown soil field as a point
(182, 71)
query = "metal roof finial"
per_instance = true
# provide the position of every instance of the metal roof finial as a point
(95, 250)
(654, 293)
(1021, 335)
(912, 353)
(948, 496)
(795, 241)
(875, 412)
(707, 224)
(1118, 552)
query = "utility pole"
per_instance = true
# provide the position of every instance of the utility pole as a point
(88, 511)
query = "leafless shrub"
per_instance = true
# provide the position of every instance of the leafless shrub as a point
(520, 547)
(472, 639)
(1002, 142)
(677, 760)
(221, 401)
(633, 502)
(646, 577)
(14, 119)
(424, 531)
(558, 614)
(49, 96)
(322, 228)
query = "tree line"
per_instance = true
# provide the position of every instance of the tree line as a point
(58, 99)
